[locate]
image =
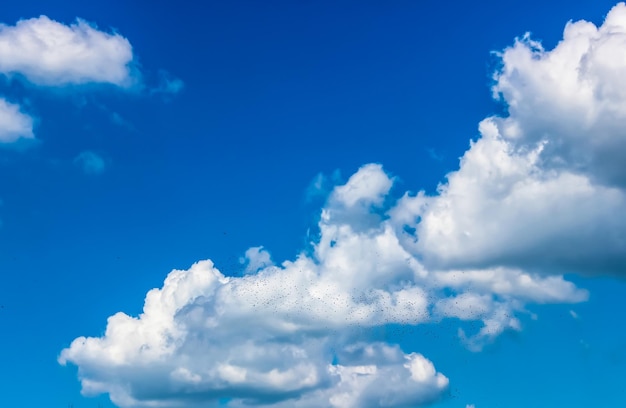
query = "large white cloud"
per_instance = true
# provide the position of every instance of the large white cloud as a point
(267, 337)
(540, 193)
(544, 187)
(49, 53)
(14, 124)
(285, 335)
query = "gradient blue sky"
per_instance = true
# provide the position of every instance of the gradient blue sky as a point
(124, 185)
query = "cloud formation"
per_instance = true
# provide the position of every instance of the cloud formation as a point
(539, 194)
(48, 53)
(14, 124)
(541, 187)
(286, 335)
(268, 337)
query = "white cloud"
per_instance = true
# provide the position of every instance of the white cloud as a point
(267, 338)
(506, 282)
(260, 339)
(542, 187)
(256, 258)
(14, 124)
(90, 162)
(49, 53)
(368, 186)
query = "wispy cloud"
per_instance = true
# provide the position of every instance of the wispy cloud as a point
(167, 84)
(432, 153)
(90, 163)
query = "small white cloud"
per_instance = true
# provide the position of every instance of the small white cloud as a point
(470, 406)
(14, 124)
(573, 314)
(49, 53)
(368, 186)
(256, 258)
(90, 162)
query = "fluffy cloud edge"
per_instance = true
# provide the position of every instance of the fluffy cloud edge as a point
(48, 53)
(268, 335)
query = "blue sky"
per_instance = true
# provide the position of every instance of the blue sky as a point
(299, 146)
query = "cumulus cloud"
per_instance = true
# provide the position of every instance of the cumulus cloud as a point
(14, 124)
(262, 339)
(541, 187)
(90, 162)
(283, 335)
(539, 194)
(49, 53)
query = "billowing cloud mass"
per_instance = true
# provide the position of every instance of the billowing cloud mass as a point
(286, 335)
(543, 188)
(46, 52)
(539, 194)
(14, 124)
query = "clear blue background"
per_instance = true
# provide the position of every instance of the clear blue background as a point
(275, 92)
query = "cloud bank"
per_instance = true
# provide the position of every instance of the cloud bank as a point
(539, 194)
